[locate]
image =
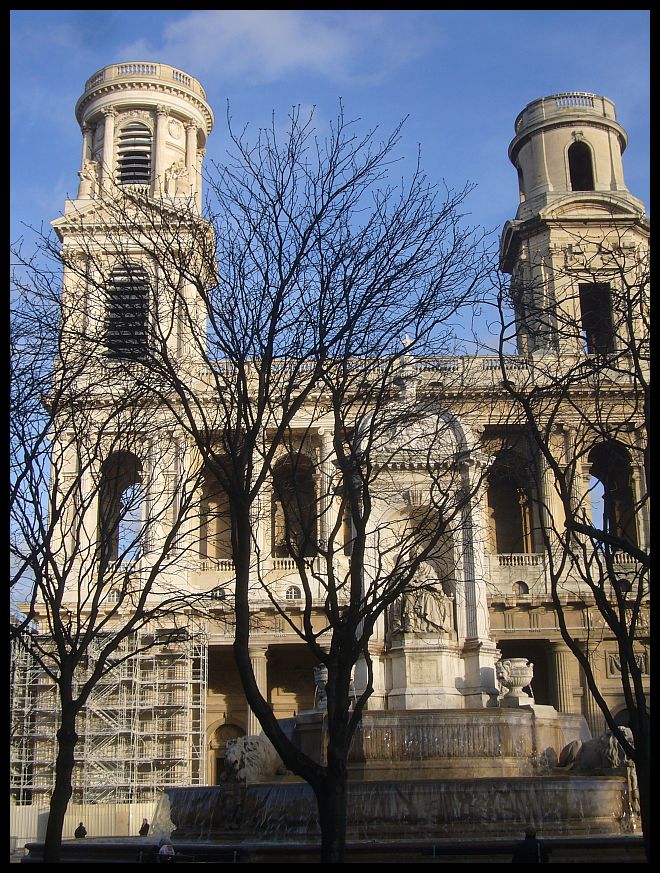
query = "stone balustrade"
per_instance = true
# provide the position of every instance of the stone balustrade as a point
(566, 102)
(144, 70)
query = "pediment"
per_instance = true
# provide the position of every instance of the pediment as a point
(87, 214)
(97, 214)
(411, 436)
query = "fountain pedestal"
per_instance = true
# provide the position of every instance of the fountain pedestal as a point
(448, 743)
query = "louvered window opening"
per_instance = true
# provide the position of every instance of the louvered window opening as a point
(127, 313)
(134, 155)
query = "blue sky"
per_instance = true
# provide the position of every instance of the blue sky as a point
(460, 76)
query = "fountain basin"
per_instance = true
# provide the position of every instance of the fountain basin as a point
(384, 810)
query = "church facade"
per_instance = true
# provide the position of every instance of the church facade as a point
(164, 715)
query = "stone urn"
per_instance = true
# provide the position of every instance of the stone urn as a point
(515, 674)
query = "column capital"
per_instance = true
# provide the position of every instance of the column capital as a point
(560, 647)
(162, 110)
(109, 111)
(257, 651)
(190, 125)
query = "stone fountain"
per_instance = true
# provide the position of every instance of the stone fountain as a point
(446, 782)
(420, 775)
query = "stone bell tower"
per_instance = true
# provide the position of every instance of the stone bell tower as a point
(134, 233)
(578, 230)
(143, 124)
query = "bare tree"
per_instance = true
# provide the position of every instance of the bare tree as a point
(293, 371)
(99, 520)
(584, 402)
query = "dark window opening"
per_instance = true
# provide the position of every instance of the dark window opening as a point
(134, 155)
(596, 312)
(610, 465)
(510, 506)
(215, 521)
(127, 312)
(294, 509)
(580, 167)
(121, 500)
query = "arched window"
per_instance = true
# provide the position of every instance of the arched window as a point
(134, 154)
(613, 505)
(510, 506)
(215, 522)
(580, 167)
(622, 718)
(294, 508)
(127, 308)
(293, 592)
(121, 501)
(520, 589)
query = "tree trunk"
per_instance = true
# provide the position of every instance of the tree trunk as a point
(59, 801)
(332, 800)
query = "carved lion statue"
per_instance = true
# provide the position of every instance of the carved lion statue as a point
(251, 759)
(602, 753)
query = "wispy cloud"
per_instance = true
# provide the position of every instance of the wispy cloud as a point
(263, 46)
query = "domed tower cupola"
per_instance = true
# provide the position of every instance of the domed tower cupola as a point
(144, 125)
(574, 220)
(567, 143)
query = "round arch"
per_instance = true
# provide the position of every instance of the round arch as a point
(219, 733)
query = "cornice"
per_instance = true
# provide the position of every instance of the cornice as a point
(157, 86)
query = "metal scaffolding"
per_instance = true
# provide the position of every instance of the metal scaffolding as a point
(141, 730)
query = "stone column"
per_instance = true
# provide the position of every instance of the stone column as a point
(191, 150)
(108, 148)
(479, 651)
(325, 486)
(641, 516)
(472, 549)
(87, 144)
(563, 688)
(151, 522)
(197, 178)
(259, 661)
(546, 488)
(260, 518)
(162, 114)
(592, 711)
(579, 472)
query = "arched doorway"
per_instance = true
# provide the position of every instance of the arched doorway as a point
(221, 736)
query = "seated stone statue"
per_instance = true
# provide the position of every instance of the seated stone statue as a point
(89, 178)
(427, 609)
(176, 180)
